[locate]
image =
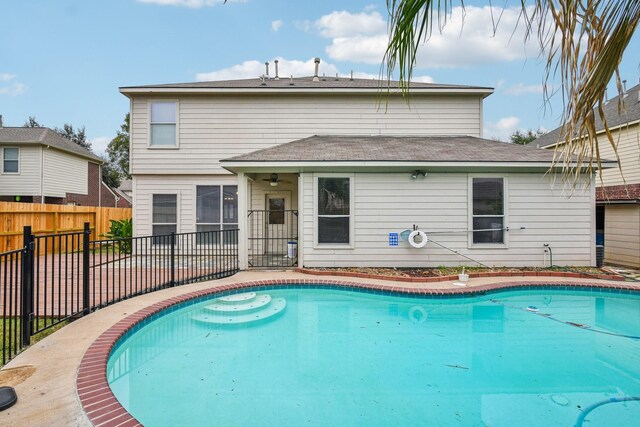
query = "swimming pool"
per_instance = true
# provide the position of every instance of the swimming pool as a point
(340, 357)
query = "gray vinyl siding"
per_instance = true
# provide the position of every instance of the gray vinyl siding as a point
(627, 142)
(64, 173)
(27, 181)
(213, 127)
(622, 235)
(184, 186)
(439, 205)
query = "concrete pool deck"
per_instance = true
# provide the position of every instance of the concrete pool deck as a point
(45, 374)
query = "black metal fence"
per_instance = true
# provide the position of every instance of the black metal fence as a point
(58, 277)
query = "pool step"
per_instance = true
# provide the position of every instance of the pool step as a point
(257, 303)
(237, 298)
(241, 310)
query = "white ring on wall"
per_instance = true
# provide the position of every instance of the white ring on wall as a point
(412, 239)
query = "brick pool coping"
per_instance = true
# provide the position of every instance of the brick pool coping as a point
(103, 409)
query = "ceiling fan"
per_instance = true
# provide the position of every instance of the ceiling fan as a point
(273, 180)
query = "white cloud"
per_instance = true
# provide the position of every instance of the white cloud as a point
(501, 129)
(5, 77)
(470, 41)
(100, 143)
(345, 24)
(522, 89)
(13, 89)
(193, 4)
(423, 79)
(253, 69)
(276, 25)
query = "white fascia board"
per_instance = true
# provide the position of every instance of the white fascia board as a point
(267, 90)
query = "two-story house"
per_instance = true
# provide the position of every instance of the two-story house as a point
(347, 171)
(618, 190)
(37, 165)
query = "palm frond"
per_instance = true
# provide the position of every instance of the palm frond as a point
(583, 42)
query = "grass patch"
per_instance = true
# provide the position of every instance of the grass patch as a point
(9, 340)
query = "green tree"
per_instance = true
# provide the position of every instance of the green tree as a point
(78, 136)
(31, 123)
(583, 42)
(525, 137)
(110, 174)
(118, 150)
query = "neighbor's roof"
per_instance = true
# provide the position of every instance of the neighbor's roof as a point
(443, 149)
(615, 117)
(44, 136)
(301, 84)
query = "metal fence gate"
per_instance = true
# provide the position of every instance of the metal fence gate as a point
(273, 238)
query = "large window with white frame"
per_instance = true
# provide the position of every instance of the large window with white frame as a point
(216, 209)
(163, 131)
(10, 160)
(334, 210)
(488, 211)
(164, 215)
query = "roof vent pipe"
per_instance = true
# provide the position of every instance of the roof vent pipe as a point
(315, 74)
(606, 97)
(266, 65)
(291, 80)
(275, 61)
(337, 76)
(1, 125)
(352, 75)
(624, 88)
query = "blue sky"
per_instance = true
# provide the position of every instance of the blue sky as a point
(62, 61)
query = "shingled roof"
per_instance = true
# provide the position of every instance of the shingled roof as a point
(328, 148)
(285, 83)
(614, 116)
(44, 136)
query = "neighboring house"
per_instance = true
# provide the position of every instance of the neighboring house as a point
(335, 165)
(125, 189)
(618, 194)
(40, 166)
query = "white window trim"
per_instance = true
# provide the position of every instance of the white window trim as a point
(19, 161)
(351, 244)
(505, 192)
(177, 123)
(221, 223)
(151, 223)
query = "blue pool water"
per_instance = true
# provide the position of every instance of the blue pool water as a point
(343, 358)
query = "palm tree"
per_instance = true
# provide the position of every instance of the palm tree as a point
(583, 42)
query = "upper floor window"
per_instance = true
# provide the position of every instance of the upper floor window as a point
(10, 160)
(488, 210)
(163, 124)
(334, 210)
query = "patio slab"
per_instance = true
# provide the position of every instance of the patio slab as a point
(44, 375)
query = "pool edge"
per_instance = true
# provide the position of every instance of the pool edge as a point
(102, 407)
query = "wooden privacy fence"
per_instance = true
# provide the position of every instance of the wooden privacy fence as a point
(52, 219)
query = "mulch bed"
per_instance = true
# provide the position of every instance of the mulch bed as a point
(451, 273)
